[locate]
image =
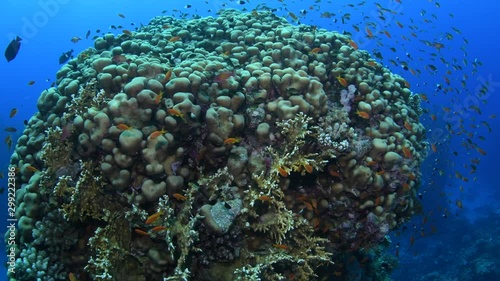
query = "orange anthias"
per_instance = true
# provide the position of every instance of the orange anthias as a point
(231, 140)
(353, 44)
(158, 97)
(156, 134)
(342, 81)
(363, 114)
(151, 219)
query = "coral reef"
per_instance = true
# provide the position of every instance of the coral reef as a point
(216, 149)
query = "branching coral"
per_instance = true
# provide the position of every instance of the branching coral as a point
(110, 248)
(87, 199)
(303, 255)
(88, 97)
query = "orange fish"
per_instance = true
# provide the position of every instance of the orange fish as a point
(281, 246)
(123, 127)
(424, 97)
(363, 114)
(334, 173)
(434, 148)
(412, 241)
(232, 140)
(433, 117)
(399, 24)
(481, 151)
(72, 277)
(13, 112)
(141, 232)
(387, 34)
(156, 134)
(459, 204)
(371, 63)
(353, 44)
(174, 39)
(127, 32)
(179, 197)
(264, 198)
(308, 168)
(369, 33)
(159, 97)
(342, 81)
(31, 169)
(315, 51)
(175, 112)
(168, 75)
(406, 186)
(293, 16)
(406, 152)
(158, 228)
(282, 172)
(151, 219)
(447, 80)
(438, 46)
(31, 82)
(407, 84)
(407, 126)
(222, 77)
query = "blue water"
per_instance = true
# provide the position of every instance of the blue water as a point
(449, 241)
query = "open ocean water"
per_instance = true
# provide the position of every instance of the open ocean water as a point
(445, 50)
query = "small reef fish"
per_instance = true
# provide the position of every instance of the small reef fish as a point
(123, 127)
(315, 50)
(158, 228)
(11, 129)
(154, 217)
(66, 56)
(353, 44)
(222, 77)
(31, 169)
(281, 246)
(264, 198)
(175, 112)
(13, 112)
(308, 168)
(121, 16)
(120, 58)
(158, 97)
(232, 140)
(31, 82)
(13, 48)
(179, 197)
(168, 76)
(363, 114)
(369, 33)
(174, 39)
(127, 32)
(156, 134)
(283, 172)
(407, 126)
(141, 232)
(75, 39)
(406, 152)
(8, 141)
(342, 81)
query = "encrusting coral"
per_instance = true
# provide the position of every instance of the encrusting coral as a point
(216, 149)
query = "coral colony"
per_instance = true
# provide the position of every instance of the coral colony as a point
(230, 148)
